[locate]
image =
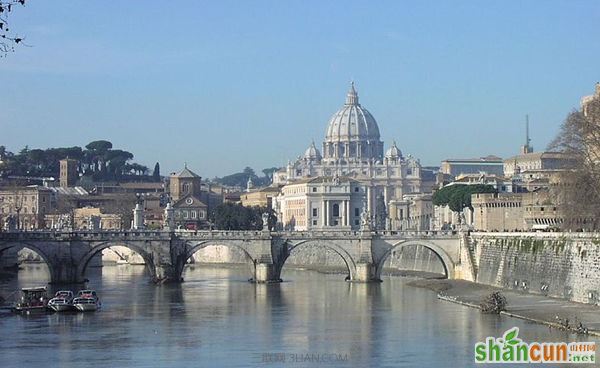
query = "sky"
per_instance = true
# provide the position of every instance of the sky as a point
(221, 85)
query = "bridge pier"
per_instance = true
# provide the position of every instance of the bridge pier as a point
(365, 272)
(166, 274)
(266, 273)
(65, 272)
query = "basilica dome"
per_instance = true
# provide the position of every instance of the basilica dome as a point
(393, 151)
(352, 131)
(312, 152)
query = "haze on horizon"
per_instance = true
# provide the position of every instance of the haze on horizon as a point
(225, 85)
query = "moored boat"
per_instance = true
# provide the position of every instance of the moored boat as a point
(32, 300)
(62, 301)
(87, 301)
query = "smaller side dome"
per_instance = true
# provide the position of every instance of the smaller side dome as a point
(393, 151)
(312, 152)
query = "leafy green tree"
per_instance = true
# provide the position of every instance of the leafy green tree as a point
(230, 216)
(458, 196)
(96, 154)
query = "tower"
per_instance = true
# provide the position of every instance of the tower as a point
(526, 148)
(183, 183)
(68, 172)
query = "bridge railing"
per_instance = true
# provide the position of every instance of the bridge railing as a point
(211, 234)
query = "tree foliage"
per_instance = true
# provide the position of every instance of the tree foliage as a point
(578, 191)
(458, 196)
(98, 160)
(230, 216)
(241, 179)
(156, 173)
(7, 39)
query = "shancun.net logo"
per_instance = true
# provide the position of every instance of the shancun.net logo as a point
(510, 349)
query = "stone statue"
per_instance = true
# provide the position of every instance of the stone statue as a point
(169, 220)
(336, 179)
(10, 222)
(94, 222)
(64, 222)
(365, 220)
(265, 221)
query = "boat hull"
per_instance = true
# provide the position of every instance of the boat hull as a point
(61, 307)
(86, 307)
(28, 310)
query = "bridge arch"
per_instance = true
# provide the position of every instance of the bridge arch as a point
(443, 256)
(194, 247)
(346, 257)
(87, 257)
(45, 257)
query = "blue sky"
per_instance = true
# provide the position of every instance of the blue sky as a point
(226, 84)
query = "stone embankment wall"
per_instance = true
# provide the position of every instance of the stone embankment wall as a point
(563, 265)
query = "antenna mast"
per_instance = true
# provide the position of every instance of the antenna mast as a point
(527, 148)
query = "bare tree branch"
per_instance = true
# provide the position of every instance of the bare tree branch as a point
(8, 41)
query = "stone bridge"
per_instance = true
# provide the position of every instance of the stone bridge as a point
(165, 253)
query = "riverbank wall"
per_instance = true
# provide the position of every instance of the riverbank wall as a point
(562, 265)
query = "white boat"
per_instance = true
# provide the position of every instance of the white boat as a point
(87, 301)
(62, 301)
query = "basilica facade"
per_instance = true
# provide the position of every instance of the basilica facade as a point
(353, 149)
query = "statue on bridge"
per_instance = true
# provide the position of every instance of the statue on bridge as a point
(65, 222)
(169, 221)
(10, 222)
(265, 221)
(365, 220)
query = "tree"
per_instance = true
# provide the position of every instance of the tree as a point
(8, 41)
(156, 173)
(577, 192)
(95, 154)
(457, 197)
(229, 216)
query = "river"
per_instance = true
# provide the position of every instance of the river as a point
(217, 319)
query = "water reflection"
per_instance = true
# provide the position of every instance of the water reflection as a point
(217, 318)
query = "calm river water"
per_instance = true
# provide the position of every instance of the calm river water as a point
(217, 319)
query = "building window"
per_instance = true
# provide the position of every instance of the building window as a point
(336, 210)
(314, 190)
(185, 214)
(315, 222)
(194, 213)
(356, 189)
(315, 212)
(356, 212)
(356, 222)
(185, 187)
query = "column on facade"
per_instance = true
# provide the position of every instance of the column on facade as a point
(386, 195)
(348, 212)
(343, 213)
(325, 213)
(369, 190)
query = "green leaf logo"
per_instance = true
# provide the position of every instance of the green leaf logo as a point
(510, 336)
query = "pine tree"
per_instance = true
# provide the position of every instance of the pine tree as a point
(156, 173)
